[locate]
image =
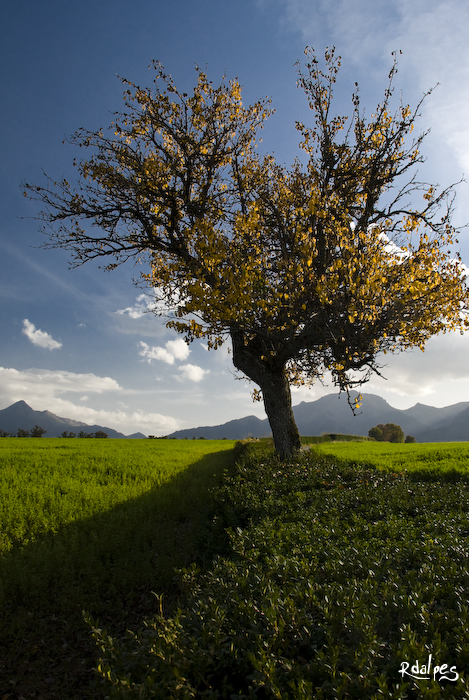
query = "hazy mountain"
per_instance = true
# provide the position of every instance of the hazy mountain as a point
(329, 414)
(332, 414)
(429, 415)
(20, 415)
(455, 429)
(233, 430)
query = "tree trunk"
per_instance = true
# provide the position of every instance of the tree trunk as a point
(277, 403)
(273, 382)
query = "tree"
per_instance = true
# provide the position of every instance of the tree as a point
(22, 433)
(387, 433)
(314, 268)
(376, 433)
(38, 432)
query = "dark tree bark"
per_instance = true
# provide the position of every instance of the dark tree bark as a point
(277, 403)
(272, 379)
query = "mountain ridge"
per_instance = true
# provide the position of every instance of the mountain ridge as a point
(332, 414)
(21, 415)
(328, 414)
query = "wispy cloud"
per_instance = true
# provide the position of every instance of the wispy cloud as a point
(126, 422)
(142, 306)
(38, 337)
(44, 383)
(47, 390)
(432, 35)
(150, 302)
(173, 350)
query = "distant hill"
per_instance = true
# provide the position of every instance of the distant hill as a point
(20, 415)
(332, 414)
(329, 414)
(233, 430)
(454, 429)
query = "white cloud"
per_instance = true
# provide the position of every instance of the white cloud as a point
(141, 307)
(437, 377)
(151, 302)
(354, 26)
(173, 350)
(423, 373)
(45, 390)
(127, 422)
(41, 384)
(178, 348)
(193, 372)
(39, 338)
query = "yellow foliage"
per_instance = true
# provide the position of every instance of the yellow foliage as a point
(317, 267)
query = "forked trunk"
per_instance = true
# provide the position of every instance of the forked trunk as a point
(275, 389)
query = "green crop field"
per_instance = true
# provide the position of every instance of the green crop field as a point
(339, 577)
(48, 483)
(93, 524)
(447, 459)
(314, 577)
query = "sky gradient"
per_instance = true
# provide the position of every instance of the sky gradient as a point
(80, 342)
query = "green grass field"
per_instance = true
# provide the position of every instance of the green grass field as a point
(97, 525)
(450, 459)
(49, 483)
(91, 524)
(338, 577)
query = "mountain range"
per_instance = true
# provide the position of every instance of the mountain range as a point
(20, 415)
(332, 414)
(329, 414)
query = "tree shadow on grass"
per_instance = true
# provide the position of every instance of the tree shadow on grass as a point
(108, 565)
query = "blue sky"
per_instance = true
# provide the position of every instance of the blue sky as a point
(77, 342)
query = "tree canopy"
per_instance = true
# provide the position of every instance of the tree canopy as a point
(387, 433)
(316, 267)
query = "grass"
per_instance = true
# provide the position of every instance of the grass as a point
(337, 574)
(340, 565)
(448, 460)
(46, 484)
(97, 525)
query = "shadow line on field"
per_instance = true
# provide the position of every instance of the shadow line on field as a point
(108, 564)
